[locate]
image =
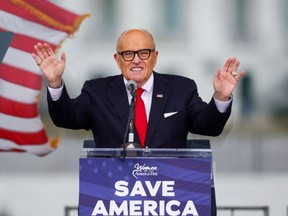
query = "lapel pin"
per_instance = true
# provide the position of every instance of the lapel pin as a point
(159, 95)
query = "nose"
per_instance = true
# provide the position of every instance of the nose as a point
(136, 58)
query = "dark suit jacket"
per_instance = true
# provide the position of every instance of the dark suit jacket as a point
(103, 107)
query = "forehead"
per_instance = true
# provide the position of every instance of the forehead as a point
(135, 40)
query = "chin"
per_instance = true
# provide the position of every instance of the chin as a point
(137, 78)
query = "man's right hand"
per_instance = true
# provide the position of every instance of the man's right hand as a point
(51, 67)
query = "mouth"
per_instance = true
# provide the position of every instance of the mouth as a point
(136, 69)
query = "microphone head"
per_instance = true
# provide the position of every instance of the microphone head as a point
(131, 86)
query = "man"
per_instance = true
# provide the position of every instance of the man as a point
(172, 104)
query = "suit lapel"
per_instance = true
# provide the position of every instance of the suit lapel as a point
(118, 96)
(161, 94)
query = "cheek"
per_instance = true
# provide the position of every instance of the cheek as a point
(151, 66)
(122, 66)
(154, 62)
(125, 71)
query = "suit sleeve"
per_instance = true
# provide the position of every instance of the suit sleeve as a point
(70, 113)
(205, 118)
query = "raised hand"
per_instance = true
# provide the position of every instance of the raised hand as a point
(226, 80)
(51, 67)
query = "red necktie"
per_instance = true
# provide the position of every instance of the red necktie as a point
(140, 117)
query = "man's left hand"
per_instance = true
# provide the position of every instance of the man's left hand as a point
(226, 80)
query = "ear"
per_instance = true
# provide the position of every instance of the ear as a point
(155, 57)
(117, 59)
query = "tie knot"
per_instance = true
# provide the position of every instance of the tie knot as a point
(139, 91)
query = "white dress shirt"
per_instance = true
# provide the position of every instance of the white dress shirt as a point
(146, 96)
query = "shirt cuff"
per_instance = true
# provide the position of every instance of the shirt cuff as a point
(56, 93)
(222, 106)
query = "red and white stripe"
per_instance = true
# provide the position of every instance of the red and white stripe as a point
(31, 21)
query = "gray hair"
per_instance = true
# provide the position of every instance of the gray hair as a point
(140, 29)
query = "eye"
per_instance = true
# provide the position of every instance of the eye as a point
(128, 53)
(144, 52)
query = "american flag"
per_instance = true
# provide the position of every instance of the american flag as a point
(31, 21)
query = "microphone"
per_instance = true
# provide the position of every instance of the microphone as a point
(131, 86)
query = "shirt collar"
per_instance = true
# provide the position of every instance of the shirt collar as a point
(147, 86)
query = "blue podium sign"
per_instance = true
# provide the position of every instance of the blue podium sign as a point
(145, 186)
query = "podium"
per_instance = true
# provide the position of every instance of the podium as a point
(146, 182)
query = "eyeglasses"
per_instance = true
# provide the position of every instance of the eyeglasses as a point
(129, 55)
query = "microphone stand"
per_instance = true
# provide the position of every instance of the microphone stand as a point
(130, 128)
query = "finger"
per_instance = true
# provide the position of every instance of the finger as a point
(34, 56)
(37, 59)
(237, 78)
(43, 50)
(218, 73)
(49, 50)
(226, 65)
(217, 76)
(241, 74)
(231, 65)
(235, 68)
(63, 57)
(38, 49)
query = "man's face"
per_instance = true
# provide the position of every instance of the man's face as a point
(137, 69)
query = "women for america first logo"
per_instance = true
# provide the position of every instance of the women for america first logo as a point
(144, 170)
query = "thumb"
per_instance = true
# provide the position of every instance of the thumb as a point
(63, 57)
(217, 74)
